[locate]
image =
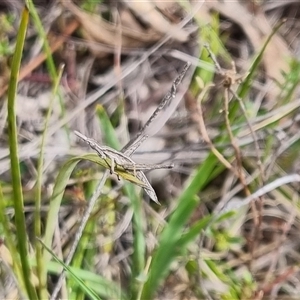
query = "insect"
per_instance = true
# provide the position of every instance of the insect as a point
(122, 158)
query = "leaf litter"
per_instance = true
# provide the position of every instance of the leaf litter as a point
(274, 257)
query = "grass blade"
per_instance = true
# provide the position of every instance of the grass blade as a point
(103, 287)
(42, 275)
(174, 239)
(79, 281)
(168, 247)
(60, 185)
(139, 242)
(14, 158)
(9, 241)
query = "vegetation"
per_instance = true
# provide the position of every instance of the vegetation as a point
(228, 215)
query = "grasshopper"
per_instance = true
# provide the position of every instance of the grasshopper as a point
(122, 158)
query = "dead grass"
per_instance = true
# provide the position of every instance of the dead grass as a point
(236, 135)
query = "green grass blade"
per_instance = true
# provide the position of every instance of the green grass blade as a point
(246, 85)
(168, 247)
(194, 232)
(85, 255)
(103, 287)
(14, 158)
(59, 188)
(9, 242)
(41, 271)
(291, 82)
(89, 292)
(107, 128)
(43, 36)
(139, 242)
(173, 234)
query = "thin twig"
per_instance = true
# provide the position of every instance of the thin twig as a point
(234, 144)
(133, 144)
(235, 205)
(229, 78)
(78, 235)
(205, 136)
(255, 142)
(140, 167)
